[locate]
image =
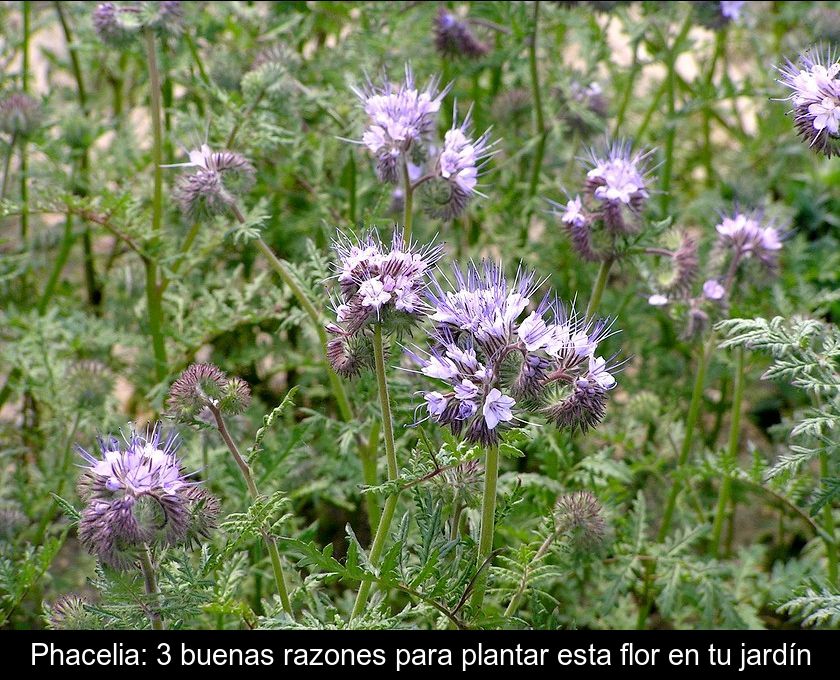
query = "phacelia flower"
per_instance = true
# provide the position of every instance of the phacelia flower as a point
(453, 37)
(399, 118)
(499, 360)
(584, 106)
(377, 284)
(70, 612)
(617, 184)
(815, 95)
(20, 114)
(745, 235)
(458, 166)
(579, 517)
(611, 203)
(88, 384)
(220, 177)
(114, 24)
(136, 495)
(712, 290)
(715, 15)
(202, 386)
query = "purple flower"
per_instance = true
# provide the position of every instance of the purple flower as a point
(815, 94)
(377, 284)
(139, 495)
(220, 177)
(453, 37)
(731, 9)
(399, 117)
(747, 236)
(618, 178)
(712, 290)
(496, 409)
(499, 354)
(20, 114)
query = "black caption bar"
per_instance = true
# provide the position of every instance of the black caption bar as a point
(404, 651)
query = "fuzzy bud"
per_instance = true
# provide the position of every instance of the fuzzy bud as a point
(70, 612)
(20, 115)
(453, 37)
(580, 518)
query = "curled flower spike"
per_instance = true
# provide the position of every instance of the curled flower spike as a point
(498, 360)
(138, 495)
(204, 385)
(453, 37)
(377, 284)
(89, 383)
(457, 169)
(69, 612)
(220, 177)
(580, 517)
(815, 94)
(20, 114)
(400, 118)
(745, 235)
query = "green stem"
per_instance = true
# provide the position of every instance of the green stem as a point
(384, 527)
(7, 164)
(488, 521)
(153, 295)
(523, 584)
(690, 422)
(270, 543)
(61, 259)
(731, 452)
(408, 201)
(598, 287)
(540, 131)
(150, 582)
(368, 456)
(24, 160)
(671, 128)
(628, 91)
(828, 520)
(707, 115)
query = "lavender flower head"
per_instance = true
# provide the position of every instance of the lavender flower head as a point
(399, 118)
(20, 114)
(615, 193)
(377, 284)
(496, 360)
(137, 494)
(202, 387)
(220, 177)
(456, 171)
(115, 25)
(745, 235)
(453, 37)
(815, 94)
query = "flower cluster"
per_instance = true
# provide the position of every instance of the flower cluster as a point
(117, 24)
(455, 174)
(453, 37)
(20, 114)
(204, 386)
(400, 119)
(400, 123)
(579, 517)
(496, 360)
(138, 495)
(71, 612)
(614, 196)
(745, 235)
(815, 94)
(584, 106)
(377, 284)
(740, 237)
(219, 178)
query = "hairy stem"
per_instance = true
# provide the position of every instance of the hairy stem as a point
(270, 543)
(368, 456)
(690, 422)
(828, 521)
(488, 521)
(150, 582)
(408, 201)
(731, 452)
(153, 295)
(384, 527)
